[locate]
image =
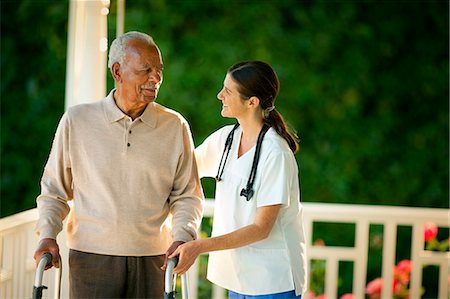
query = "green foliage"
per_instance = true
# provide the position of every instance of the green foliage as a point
(317, 277)
(365, 85)
(368, 98)
(33, 53)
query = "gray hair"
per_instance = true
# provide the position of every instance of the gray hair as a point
(117, 50)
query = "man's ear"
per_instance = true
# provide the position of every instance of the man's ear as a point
(253, 102)
(115, 71)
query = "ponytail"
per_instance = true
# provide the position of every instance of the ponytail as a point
(276, 121)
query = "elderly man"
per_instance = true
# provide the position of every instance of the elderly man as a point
(128, 166)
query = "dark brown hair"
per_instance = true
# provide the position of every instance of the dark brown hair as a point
(257, 78)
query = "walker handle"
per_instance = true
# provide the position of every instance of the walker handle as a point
(170, 279)
(46, 259)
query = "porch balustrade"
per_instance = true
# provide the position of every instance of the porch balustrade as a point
(18, 242)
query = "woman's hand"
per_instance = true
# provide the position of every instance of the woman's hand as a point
(169, 252)
(187, 253)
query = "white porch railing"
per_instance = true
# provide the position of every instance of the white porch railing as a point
(18, 242)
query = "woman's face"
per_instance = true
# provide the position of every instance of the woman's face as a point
(232, 103)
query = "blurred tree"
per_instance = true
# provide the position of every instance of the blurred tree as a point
(33, 53)
(368, 92)
(365, 84)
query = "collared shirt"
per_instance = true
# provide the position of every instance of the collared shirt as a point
(273, 265)
(134, 184)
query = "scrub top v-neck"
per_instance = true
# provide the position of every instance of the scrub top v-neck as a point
(278, 263)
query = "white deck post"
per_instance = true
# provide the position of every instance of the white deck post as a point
(120, 25)
(86, 51)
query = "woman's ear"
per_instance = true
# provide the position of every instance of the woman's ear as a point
(115, 71)
(253, 102)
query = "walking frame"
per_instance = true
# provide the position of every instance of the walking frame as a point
(169, 279)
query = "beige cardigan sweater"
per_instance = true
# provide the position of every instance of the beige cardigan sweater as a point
(134, 184)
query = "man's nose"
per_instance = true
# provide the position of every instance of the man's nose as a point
(154, 77)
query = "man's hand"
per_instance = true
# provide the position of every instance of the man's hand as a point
(187, 254)
(169, 251)
(48, 245)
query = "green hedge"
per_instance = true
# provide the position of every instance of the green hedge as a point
(365, 85)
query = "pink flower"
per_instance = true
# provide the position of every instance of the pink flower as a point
(404, 266)
(374, 287)
(310, 295)
(431, 231)
(402, 271)
(347, 296)
(319, 242)
(402, 278)
(322, 296)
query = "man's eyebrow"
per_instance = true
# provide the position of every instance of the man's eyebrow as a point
(149, 66)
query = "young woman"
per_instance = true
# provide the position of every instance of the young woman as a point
(257, 248)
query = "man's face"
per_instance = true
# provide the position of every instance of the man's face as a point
(141, 72)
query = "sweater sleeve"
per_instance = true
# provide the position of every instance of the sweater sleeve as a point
(186, 198)
(56, 185)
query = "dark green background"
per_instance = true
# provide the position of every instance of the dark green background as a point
(365, 85)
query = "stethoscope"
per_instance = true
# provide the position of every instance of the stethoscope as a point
(248, 191)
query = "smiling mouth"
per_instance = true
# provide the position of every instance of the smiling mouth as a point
(148, 91)
(152, 87)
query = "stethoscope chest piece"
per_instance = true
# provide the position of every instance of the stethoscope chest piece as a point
(248, 194)
(248, 191)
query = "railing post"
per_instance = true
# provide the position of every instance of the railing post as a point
(389, 246)
(417, 247)
(360, 265)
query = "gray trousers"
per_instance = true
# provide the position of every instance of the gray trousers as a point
(103, 276)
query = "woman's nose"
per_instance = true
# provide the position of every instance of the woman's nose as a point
(219, 96)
